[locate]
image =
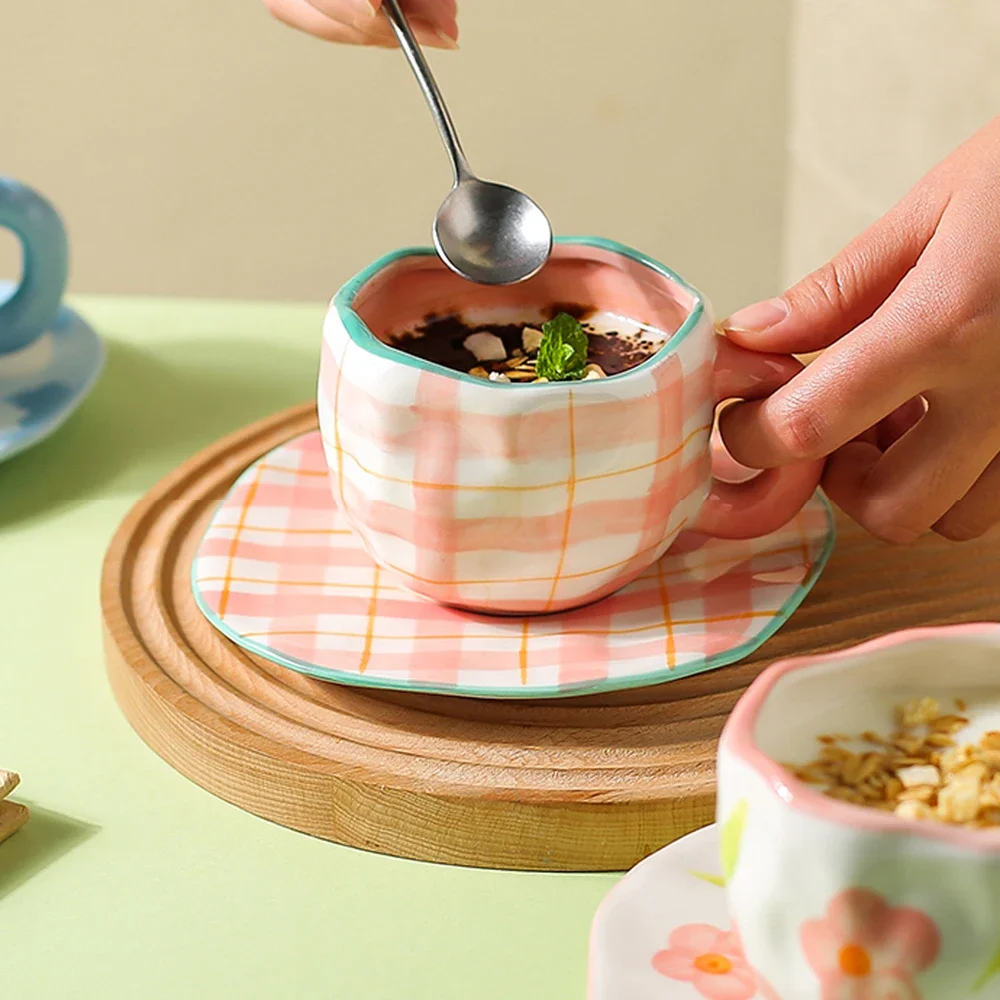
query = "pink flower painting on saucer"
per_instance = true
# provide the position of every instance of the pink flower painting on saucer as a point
(710, 959)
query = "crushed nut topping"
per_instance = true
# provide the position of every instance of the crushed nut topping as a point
(919, 772)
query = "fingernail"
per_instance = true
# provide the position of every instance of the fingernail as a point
(446, 40)
(760, 316)
(366, 9)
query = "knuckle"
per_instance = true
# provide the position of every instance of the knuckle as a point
(888, 522)
(833, 285)
(800, 430)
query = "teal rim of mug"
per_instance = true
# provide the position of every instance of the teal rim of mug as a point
(362, 337)
(551, 691)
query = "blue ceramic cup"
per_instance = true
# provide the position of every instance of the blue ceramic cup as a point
(27, 313)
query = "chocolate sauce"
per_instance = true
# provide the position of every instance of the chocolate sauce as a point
(440, 340)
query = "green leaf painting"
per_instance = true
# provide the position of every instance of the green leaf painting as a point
(732, 836)
(710, 879)
(989, 973)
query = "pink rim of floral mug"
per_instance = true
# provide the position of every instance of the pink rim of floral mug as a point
(738, 739)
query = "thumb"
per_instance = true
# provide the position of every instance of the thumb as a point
(841, 294)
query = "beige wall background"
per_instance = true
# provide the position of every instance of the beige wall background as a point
(198, 147)
(879, 91)
(202, 149)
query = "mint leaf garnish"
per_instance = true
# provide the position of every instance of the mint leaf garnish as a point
(562, 354)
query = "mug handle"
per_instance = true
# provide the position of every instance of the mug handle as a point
(36, 301)
(771, 498)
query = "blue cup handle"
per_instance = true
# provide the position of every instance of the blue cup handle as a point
(35, 303)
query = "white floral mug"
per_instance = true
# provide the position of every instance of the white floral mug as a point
(529, 499)
(834, 901)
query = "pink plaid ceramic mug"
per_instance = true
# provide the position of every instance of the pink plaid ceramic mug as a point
(526, 499)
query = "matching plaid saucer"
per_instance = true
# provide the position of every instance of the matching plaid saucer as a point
(280, 573)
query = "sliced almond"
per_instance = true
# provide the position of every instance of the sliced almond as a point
(893, 789)
(949, 724)
(911, 809)
(958, 802)
(940, 740)
(919, 711)
(924, 774)
(531, 339)
(910, 745)
(485, 346)
(976, 771)
(991, 758)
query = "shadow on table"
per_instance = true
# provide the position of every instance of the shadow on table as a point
(45, 838)
(150, 412)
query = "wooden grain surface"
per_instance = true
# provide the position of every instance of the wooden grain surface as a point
(8, 782)
(592, 783)
(12, 815)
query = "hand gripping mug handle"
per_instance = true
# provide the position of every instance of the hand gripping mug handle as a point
(772, 497)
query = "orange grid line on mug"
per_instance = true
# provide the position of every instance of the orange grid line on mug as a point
(678, 571)
(274, 530)
(570, 495)
(505, 487)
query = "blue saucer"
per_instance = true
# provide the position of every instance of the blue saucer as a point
(43, 384)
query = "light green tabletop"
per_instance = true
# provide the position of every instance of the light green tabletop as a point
(131, 882)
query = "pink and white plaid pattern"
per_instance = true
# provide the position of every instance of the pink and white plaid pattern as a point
(520, 501)
(281, 573)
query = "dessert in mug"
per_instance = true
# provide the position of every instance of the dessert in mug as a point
(576, 343)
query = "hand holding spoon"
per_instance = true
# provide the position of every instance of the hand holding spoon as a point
(488, 233)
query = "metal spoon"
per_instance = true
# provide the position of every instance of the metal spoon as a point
(489, 233)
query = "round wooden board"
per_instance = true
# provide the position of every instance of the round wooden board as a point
(584, 784)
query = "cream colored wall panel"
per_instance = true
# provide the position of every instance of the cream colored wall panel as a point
(199, 148)
(881, 90)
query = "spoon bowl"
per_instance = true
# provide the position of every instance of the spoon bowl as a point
(488, 233)
(491, 233)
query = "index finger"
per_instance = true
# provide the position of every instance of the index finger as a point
(356, 22)
(854, 384)
(437, 19)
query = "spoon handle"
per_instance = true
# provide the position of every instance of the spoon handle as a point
(407, 42)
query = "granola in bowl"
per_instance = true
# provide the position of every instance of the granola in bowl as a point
(920, 771)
